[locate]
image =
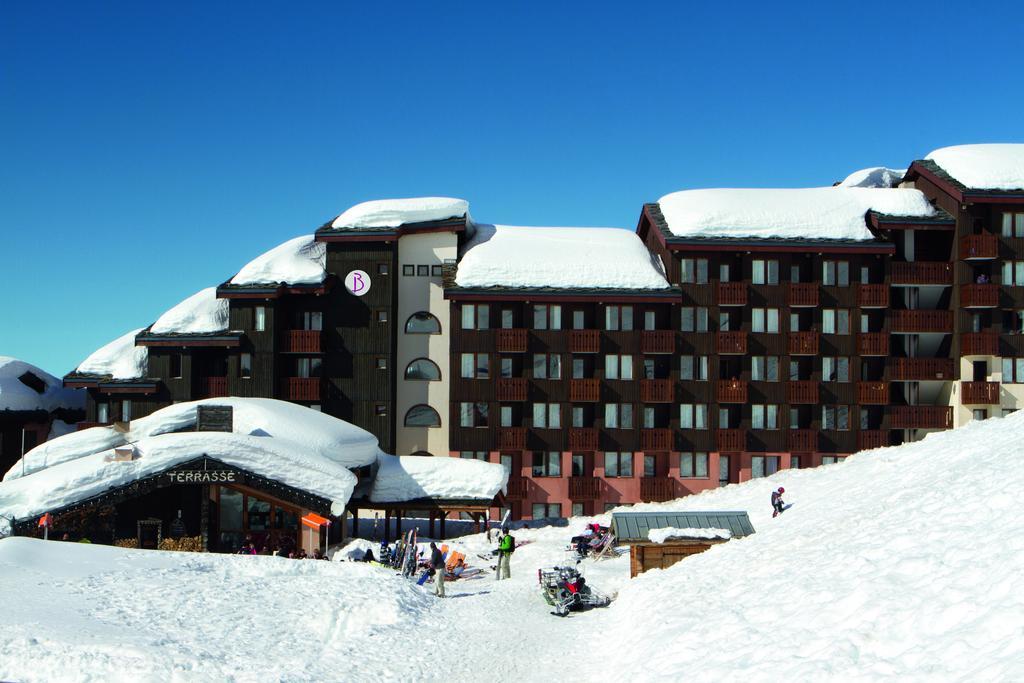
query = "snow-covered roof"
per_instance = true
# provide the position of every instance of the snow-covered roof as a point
(391, 213)
(411, 477)
(17, 395)
(516, 256)
(120, 359)
(983, 167)
(669, 532)
(876, 176)
(299, 261)
(201, 313)
(836, 213)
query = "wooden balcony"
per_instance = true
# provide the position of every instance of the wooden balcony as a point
(657, 489)
(802, 392)
(303, 341)
(873, 344)
(516, 489)
(921, 273)
(657, 341)
(732, 391)
(873, 393)
(511, 389)
(921, 417)
(656, 391)
(979, 393)
(979, 296)
(512, 438)
(918, 321)
(731, 440)
(920, 369)
(214, 387)
(803, 343)
(873, 296)
(732, 293)
(802, 440)
(303, 388)
(979, 247)
(584, 488)
(584, 341)
(979, 344)
(802, 294)
(872, 438)
(732, 343)
(583, 439)
(656, 439)
(511, 340)
(584, 390)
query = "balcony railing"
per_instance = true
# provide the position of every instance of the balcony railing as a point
(582, 438)
(731, 440)
(512, 438)
(584, 488)
(979, 393)
(511, 389)
(732, 342)
(803, 343)
(656, 390)
(215, 387)
(802, 392)
(516, 488)
(873, 393)
(656, 439)
(978, 247)
(921, 417)
(732, 293)
(918, 369)
(802, 294)
(802, 440)
(584, 390)
(303, 341)
(873, 344)
(732, 391)
(584, 341)
(979, 296)
(657, 489)
(303, 388)
(511, 340)
(657, 341)
(922, 273)
(921, 320)
(979, 344)
(873, 296)
(872, 438)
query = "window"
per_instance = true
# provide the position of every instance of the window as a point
(175, 361)
(764, 416)
(547, 366)
(383, 269)
(435, 271)
(308, 367)
(693, 368)
(723, 321)
(547, 510)
(507, 319)
(618, 416)
(835, 369)
(472, 414)
(506, 367)
(723, 470)
(693, 416)
(578, 320)
(1013, 321)
(1013, 273)
(1013, 225)
(547, 464)
(693, 271)
(505, 416)
(694, 319)
(380, 410)
(1013, 371)
(618, 367)
(835, 321)
(794, 462)
(723, 272)
(650, 320)
(618, 464)
(422, 323)
(245, 365)
(578, 415)
(126, 410)
(422, 271)
(763, 465)
(475, 316)
(764, 368)
(765, 272)
(547, 415)
(408, 270)
(308, 320)
(382, 316)
(865, 275)
(764, 320)
(831, 459)
(794, 273)
(423, 370)
(835, 417)
(618, 318)
(422, 415)
(260, 322)
(381, 363)
(476, 366)
(979, 414)
(835, 273)
(473, 455)
(577, 510)
(547, 317)
(103, 412)
(693, 465)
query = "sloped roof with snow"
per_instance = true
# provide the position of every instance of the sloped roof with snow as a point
(42, 391)
(201, 313)
(120, 359)
(412, 477)
(982, 167)
(876, 177)
(299, 261)
(392, 213)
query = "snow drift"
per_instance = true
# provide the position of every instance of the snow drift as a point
(201, 313)
(876, 176)
(16, 395)
(299, 261)
(120, 359)
(983, 167)
(391, 213)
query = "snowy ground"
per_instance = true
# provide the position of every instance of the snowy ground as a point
(898, 563)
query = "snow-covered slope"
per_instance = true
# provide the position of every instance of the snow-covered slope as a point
(876, 176)
(983, 167)
(299, 261)
(120, 359)
(16, 395)
(201, 313)
(391, 213)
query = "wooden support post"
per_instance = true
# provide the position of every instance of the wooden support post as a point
(476, 522)
(398, 523)
(387, 526)
(355, 525)
(204, 516)
(443, 516)
(430, 526)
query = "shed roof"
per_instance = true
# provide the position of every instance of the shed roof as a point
(632, 527)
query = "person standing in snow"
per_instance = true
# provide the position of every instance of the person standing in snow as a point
(437, 565)
(777, 503)
(506, 546)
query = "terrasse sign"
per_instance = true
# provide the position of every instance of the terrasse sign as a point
(203, 477)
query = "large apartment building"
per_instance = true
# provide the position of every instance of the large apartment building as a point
(733, 334)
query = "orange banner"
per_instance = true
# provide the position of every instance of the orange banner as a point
(315, 521)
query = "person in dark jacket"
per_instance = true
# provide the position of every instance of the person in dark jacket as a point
(437, 565)
(777, 503)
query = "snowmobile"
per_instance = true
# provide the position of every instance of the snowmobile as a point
(565, 589)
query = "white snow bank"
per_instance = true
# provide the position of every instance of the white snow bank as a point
(662, 535)
(515, 256)
(402, 478)
(299, 261)
(354, 551)
(983, 167)
(201, 313)
(16, 395)
(876, 176)
(816, 213)
(391, 213)
(120, 359)
(61, 428)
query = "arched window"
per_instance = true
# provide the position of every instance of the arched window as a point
(422, 323)
(423, 369)
(422, 416)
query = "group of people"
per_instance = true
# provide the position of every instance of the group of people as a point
(249, 547)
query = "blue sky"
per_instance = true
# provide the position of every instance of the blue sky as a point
(210, 133)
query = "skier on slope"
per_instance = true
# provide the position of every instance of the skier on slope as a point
(437, 565)
(506, 546)
(777, 503)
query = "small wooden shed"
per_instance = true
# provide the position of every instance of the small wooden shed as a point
(633, 529)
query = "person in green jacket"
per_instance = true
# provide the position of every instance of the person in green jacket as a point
(506, 546)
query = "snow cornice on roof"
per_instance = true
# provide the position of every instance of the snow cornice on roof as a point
(938, 176)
